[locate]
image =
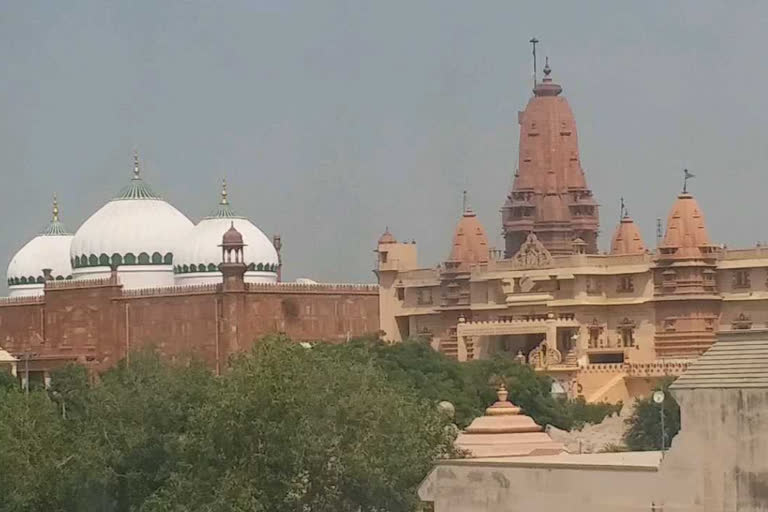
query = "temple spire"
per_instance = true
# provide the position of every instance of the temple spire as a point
(136, 169)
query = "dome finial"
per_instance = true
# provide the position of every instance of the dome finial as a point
(55, 208)
(136, 170)
(224, 200)
(547, 69)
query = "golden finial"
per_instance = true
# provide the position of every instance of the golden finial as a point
(55, 208)
(224, 199)
(136, 170)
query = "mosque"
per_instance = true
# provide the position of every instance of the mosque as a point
(139, 273)
(605, 326)
(146, 240)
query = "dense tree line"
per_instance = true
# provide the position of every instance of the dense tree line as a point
(350, 427)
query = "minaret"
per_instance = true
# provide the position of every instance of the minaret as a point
(549, 194)
(232, 266)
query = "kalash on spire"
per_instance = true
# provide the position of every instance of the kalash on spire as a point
(549, 194)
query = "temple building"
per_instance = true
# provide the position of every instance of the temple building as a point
(138, 273)
(605, 326)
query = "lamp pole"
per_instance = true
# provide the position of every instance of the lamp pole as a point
(658, 397)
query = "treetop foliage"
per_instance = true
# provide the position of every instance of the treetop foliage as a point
(352, 427)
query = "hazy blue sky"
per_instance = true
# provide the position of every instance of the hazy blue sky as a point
(332, 119)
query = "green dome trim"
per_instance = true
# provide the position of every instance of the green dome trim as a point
(55, 228)
(16, 281)
(119, 260)
(211, 267)
(137, 190)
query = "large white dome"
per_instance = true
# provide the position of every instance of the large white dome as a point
(199, 254)
(47, 251)
(136, 232)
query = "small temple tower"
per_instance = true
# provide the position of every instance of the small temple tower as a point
(549, 196)
(505, 432)
(685, 288)
(626, 239)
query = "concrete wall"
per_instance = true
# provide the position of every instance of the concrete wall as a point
(719, 460)
(499, 488)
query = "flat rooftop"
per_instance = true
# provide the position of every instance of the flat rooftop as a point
(626, 461)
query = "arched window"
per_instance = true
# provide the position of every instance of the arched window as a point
(40, 280)
(117, 260)
(104, 260)
(76, 263)
(211, 267)
(144, 259)
(23, 280)
(93, 260)
(59, 278)
(129, 259)
(157, 258)
(193, 268)
(185, 268)
(260, 267)
(168, 258)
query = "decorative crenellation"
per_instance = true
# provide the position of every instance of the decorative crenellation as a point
(20, 301)
(82, 283)
(310, 288)
(199, 289)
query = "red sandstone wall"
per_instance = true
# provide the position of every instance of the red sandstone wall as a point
(99, 324)
(311, 316)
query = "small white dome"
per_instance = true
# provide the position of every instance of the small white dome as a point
(49, 250)
(199, 254)
(135, 229)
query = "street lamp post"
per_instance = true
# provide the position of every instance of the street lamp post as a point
(658, 397)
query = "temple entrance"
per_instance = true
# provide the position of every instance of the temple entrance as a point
(510, 345)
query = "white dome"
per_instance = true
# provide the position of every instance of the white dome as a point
(48, 250)
(199, 254)
(133, 232)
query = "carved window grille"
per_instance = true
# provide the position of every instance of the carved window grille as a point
(593, 286)
(625, 284)
(741, 322)
(400, 293)
(424, 297)
(741, 279)
(595, 331)
(627, 333)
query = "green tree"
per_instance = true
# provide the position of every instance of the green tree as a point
(292, 429)
(644, 426)
(41, 461)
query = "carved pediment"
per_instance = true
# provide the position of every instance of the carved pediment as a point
(532, 254)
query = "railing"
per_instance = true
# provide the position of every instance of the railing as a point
(81, 283)
(195, 289)
(34, 299)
